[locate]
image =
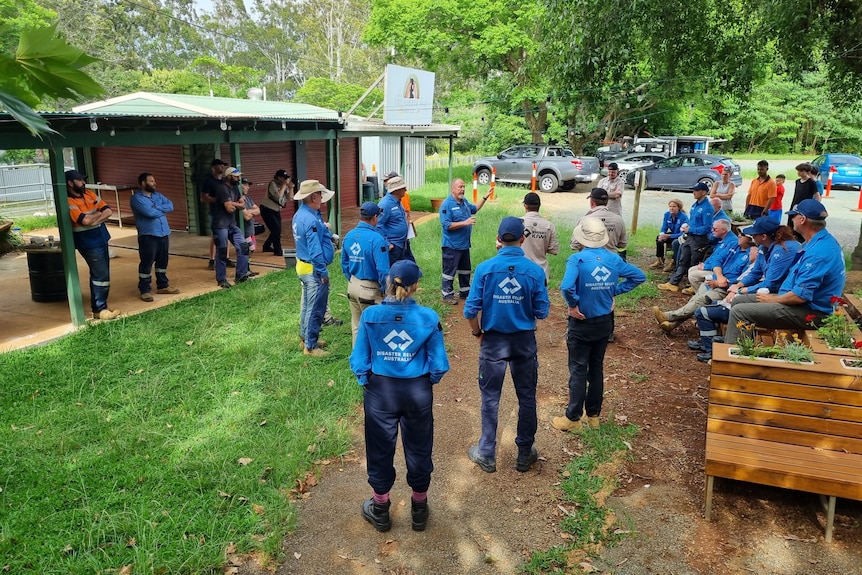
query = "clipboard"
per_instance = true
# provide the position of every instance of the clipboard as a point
(411, 230)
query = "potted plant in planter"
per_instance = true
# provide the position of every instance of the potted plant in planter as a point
(837, 333)
(785, 347)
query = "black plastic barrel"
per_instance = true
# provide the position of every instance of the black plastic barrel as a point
(369, 194)
(47, 281)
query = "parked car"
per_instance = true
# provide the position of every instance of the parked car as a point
(557, 168)
(848, 170)
(683, 171)
(629, 162)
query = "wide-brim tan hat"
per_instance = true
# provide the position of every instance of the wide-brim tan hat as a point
(591, 232)
(308, 187)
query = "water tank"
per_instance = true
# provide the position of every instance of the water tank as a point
(254, 94)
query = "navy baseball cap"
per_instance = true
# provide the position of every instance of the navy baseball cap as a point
(218, 162)
(511, 229)
(700, 187)
(75, 175)
(811, 209)
(762, 225)
(404, 273)
(369, 209)
(599, 194)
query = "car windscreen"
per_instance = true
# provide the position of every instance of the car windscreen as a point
(847, 160)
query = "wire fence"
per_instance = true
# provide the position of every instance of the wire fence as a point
(25, 190)
(432, 162)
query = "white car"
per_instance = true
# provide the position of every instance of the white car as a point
(631, 162)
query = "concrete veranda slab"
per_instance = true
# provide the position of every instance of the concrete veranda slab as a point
(27, 323)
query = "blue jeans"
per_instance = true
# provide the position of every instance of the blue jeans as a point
(235, 236)
(587, 341)
(153, 250)
(456, 262)
(100, 275)
(315, 296)
(518, 352)
(393, 403)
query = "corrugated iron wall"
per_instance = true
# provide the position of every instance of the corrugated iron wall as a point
(121, 166)
(351, 187)
(414, 162)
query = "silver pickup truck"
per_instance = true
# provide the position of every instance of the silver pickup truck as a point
(557, 168)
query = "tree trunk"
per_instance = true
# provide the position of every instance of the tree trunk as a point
(537, 123)
(856, 256)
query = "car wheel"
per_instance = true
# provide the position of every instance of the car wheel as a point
(548, 183)
(622, 174)
(707, 181)
(483, 176)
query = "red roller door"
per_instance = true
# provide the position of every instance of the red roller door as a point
(121, 167)
(350, 186)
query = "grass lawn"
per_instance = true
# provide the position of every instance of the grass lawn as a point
(157, 440)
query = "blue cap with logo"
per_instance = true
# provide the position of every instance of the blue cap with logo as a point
(762, 225)
(700, 187)
(369, 209)
(511, 229)
(404, 273)
(811, 209)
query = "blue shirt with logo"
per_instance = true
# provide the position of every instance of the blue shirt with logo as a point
(365, 254)
(818, 274)
(592, 279)
(399, 339)
(511, 292)
(452, 211)
(726, 247)
(313, 240)
(392, 222)
(700, 219)
(771, 266)
(671, 223)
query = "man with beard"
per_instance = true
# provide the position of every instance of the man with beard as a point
(89, 213)
(150, 208)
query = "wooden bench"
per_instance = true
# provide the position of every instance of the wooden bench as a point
(786, 425)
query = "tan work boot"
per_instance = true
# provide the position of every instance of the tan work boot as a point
(107, 314)
(658, 263)
(660, 317)
(593, 422)
(668, 287)
(669, 326)
(688, 291)
(668, 267)
(168, 290)
(321, 343)
(316, 352)
(563, 423)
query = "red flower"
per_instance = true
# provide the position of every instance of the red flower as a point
(810, 317)
(857, 344)
(835, 299)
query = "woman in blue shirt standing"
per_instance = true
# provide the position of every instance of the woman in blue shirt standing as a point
(589, 286)
(398, 355)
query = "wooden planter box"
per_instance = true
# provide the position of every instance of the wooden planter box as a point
(788, 425)
(818, 346)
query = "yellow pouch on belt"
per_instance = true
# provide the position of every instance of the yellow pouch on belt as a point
(303, 268)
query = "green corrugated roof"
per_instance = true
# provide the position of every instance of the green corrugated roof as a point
(146, 104)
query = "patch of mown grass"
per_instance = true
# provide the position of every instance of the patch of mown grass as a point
(123, 442)
(587, 481)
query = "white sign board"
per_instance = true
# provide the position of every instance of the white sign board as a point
(408, 96)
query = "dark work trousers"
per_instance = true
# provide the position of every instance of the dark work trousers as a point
(662, 246)
(587, 341)
(391, 403)
(397, 253)
(691, 253)
(456, 262)
(272, 219)
(518, 352)
(153, 250)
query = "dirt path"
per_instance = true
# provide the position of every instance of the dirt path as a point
(489, 523)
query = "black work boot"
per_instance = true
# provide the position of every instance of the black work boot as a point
(419, 512)
(377, 514)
